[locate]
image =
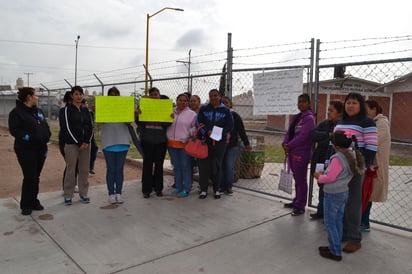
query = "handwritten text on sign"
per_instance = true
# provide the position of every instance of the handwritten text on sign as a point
(277, 92)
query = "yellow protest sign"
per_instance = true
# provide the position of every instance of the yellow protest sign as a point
(156, 110)
(111, 109)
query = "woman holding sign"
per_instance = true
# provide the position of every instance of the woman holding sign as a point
(115, 145)
(154, 144)
(217, 123)
(297, 145)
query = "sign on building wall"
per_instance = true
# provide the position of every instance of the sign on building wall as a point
(276, 93)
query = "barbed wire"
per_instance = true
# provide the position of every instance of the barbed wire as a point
(365, 39)
(272, 46)
(366, 45)
(367, 54)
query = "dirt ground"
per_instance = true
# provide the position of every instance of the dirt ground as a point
(51, 178)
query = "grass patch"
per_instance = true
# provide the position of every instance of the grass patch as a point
(273, 153)
(400, 161)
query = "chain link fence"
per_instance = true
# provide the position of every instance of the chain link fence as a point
(388, 81)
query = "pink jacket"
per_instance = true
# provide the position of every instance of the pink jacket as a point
(183, 125)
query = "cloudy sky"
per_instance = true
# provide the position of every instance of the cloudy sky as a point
(38, 37)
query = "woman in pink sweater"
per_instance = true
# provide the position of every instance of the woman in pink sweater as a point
(177, 135)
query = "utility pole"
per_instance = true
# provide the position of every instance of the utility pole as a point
(75, 61)
(189, 86)
(28, 77)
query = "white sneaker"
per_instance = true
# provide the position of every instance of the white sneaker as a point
(76, 189)
(112, 199)
(119, 199)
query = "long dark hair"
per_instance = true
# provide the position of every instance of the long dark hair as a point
(356, 96)
(24, 92)
(343, 140)
(372, 104)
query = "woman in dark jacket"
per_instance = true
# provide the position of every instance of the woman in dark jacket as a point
(214, 116)
(153, 141)
(232, 149)
(76, 129)
(321, 136)
(29, 127)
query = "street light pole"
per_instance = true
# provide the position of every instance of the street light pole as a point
(147, 42)
(75, 61)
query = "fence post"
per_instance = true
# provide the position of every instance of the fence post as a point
(101, 83)
(310, 194)
(48, 101)
(229, 74)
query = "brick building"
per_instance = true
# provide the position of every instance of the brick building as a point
(395, 97)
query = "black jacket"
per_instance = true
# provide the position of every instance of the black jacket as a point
(238, 131)
(76, 126)
(28, 126)
(320, 136)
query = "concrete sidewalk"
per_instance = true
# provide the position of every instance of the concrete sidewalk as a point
(243, 233)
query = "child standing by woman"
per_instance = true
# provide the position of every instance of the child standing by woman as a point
(343, 165)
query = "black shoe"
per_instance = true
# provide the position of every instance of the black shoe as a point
(26, 211)
(316, 216)
(229, 191)
(202, 195)
(324, 248)
(298, 212)
(326, 254)
(289, 205)
(217, 195)
(38, 206)
(146, 195)
(91, 171)
(159, 194)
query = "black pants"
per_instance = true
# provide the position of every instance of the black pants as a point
(152, 174)
(93, 153)
(31, 162)
(211, 167)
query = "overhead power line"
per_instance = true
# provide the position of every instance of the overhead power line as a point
(66, 45)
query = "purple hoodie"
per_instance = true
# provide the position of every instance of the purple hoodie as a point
(301, 141)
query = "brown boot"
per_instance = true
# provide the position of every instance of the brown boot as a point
(350, 248)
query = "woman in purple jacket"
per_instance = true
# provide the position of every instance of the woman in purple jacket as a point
(297, 145)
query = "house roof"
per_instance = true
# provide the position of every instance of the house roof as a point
(397, 80)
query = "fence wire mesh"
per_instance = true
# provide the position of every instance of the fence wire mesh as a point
(387, 80)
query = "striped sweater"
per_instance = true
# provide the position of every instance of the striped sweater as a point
(365, 131)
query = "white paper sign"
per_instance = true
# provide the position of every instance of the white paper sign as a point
(216, 133)
(276, 92)
(319, 167)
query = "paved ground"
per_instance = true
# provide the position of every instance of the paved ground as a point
(51, 177)
(243, 233)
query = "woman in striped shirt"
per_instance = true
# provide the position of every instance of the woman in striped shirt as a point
(356, 121)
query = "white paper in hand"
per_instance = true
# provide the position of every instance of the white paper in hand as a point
(216, 133)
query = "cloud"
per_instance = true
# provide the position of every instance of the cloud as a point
(190, 39)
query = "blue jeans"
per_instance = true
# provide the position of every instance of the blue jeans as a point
(114, 170)
(228, 171)
(334, 207)
(182, 168)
